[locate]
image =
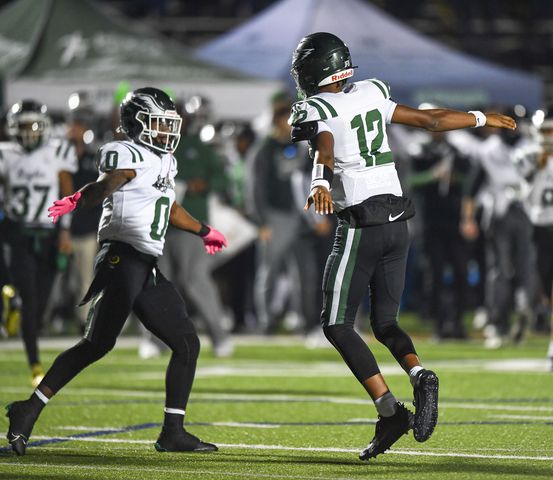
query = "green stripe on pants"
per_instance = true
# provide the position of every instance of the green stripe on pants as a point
(91, 317)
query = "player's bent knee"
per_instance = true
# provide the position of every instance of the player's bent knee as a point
(186, 346)
(337, 333)
(393, 337)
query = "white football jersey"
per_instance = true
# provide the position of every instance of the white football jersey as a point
(505, 182)
(31, 179)
(138, 212)
(540, 199)
(357, 118)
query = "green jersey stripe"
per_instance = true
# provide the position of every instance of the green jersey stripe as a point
(382, 158)
(320, 109)
(133, 153)
(386, 87)
(137, 151)
(67, 150)
(380, 87)
(331, 109)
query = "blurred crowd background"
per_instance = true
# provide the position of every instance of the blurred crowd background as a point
(239, 171)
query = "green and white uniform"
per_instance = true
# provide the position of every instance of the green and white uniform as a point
(138, 212)
(367, 256)
(356, 117)
(31, 180)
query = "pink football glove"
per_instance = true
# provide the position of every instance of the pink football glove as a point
(63, 206)
(214, 241)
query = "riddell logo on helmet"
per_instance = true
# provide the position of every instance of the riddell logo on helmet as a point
(342, 75)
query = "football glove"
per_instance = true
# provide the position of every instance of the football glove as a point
(63, 206)
(214, 241)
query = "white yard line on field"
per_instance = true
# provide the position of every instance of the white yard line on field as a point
(276, 398)
(523, 417)
(319, 449)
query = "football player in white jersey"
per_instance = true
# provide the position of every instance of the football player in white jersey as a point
(35, 170)
(136, 186)
(540, 209)
(354, 175)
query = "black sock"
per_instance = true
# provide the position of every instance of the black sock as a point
(173, 420)
(36, 403)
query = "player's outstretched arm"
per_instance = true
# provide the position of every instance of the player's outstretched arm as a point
(214, 241)
(441, 119)
(323, 171)
(91, 194)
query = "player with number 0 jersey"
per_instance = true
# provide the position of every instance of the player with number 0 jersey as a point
(354, 175)
(136, 186)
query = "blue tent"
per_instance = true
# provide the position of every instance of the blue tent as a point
(417, 68)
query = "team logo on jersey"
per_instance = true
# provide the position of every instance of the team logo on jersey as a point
(163, 184)
(114, 259)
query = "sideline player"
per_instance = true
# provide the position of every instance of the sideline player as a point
(35, 171)
(354, 174)
(136, 186)
(540, 206)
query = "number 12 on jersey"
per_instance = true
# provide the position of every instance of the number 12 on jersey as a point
(372, 121)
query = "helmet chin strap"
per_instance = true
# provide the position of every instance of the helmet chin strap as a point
(153, 133)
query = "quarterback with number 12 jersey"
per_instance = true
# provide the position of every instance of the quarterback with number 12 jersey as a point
(138, 212)
(363, 163)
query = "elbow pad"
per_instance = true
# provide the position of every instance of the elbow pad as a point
(304, 131)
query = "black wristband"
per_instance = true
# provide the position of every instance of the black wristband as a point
(204, 230)
(322, 172)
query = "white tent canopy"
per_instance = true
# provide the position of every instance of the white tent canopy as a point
(418, 68)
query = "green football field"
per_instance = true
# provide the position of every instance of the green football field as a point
(280, 411)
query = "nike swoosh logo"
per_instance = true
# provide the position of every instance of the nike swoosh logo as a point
(392, 218)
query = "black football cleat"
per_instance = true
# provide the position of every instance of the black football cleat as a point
(388, 431)
(179, 440)
(426, 405)
(22, 420)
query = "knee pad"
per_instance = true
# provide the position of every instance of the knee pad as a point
(353, 349)
(187, 345)
(336, 333)
(397, 341)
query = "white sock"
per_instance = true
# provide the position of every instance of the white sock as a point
(176, 411)
(550, 351)
(43, 398)
(413, 374)
(386, 405)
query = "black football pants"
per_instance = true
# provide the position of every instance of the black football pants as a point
(371, 258)
(32, 269)
(127, 280)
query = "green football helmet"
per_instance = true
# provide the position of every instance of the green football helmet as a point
(320, 59)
